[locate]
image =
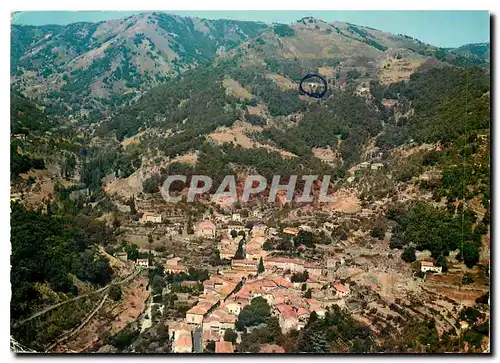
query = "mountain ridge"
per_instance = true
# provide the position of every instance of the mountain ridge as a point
(87, 70)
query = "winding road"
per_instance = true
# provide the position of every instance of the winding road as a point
(52, 307)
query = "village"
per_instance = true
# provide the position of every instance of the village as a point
(301, 259)
(251, 262)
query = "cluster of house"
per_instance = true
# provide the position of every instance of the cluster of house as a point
(172, 265)
(224, 297)
(226, 294)
(122, 255)
(224, 224)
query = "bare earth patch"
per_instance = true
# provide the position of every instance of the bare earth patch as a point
(282, 82)
(326, 71)
(327, 155)
(346, 201)
(259, 110)
(398, 70)
(237, 135)
(234, 88)
(132, 140)
(132, 305)
(124, 187)
(112, 318)
(190, 158)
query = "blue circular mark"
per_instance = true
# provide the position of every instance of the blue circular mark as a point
(313, 94)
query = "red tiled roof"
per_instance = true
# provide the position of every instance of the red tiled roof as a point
(199, 309)
(211, 335)
(205, 224)
(183, 340)
(341, 288)
(243, 292)
(271, 348)
(312, 301)
(289, 314)
(291, 230)
(280, 281)
(302, 311)
(283, 307)
(224, 347)
(175, 267)
(285, 260)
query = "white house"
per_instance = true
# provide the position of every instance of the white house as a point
(426, 266)
(341, 290)
(205, 229)
(235, 227)
(195, 314)
(376, 166)
(150, 217)
(142, 262)
(233, 308)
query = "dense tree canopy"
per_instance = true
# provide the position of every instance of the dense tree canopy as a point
(47, 249)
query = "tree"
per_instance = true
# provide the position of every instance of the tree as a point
(261, 267)
(131, 204)
(483, 299)
(268, 246)
(230, 336)
(409, 254)
(378, 232)
(240, 252)
(190, 229)
(469, 254)
(441, 261)
(300, 276)
(470, 314)
(396, 242)
(164, 336)
(308, 294)
(92, 266)
(124, 338)
(283, 30)
(253, 314)
(305, 238)
(274, 329)
(211, 346)
(132, 251)
(115, 292)
(150, 185)
(467, 279)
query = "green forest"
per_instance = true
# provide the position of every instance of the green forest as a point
(51, 249)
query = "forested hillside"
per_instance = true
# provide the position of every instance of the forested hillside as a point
(87, 69)
(48, 249)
